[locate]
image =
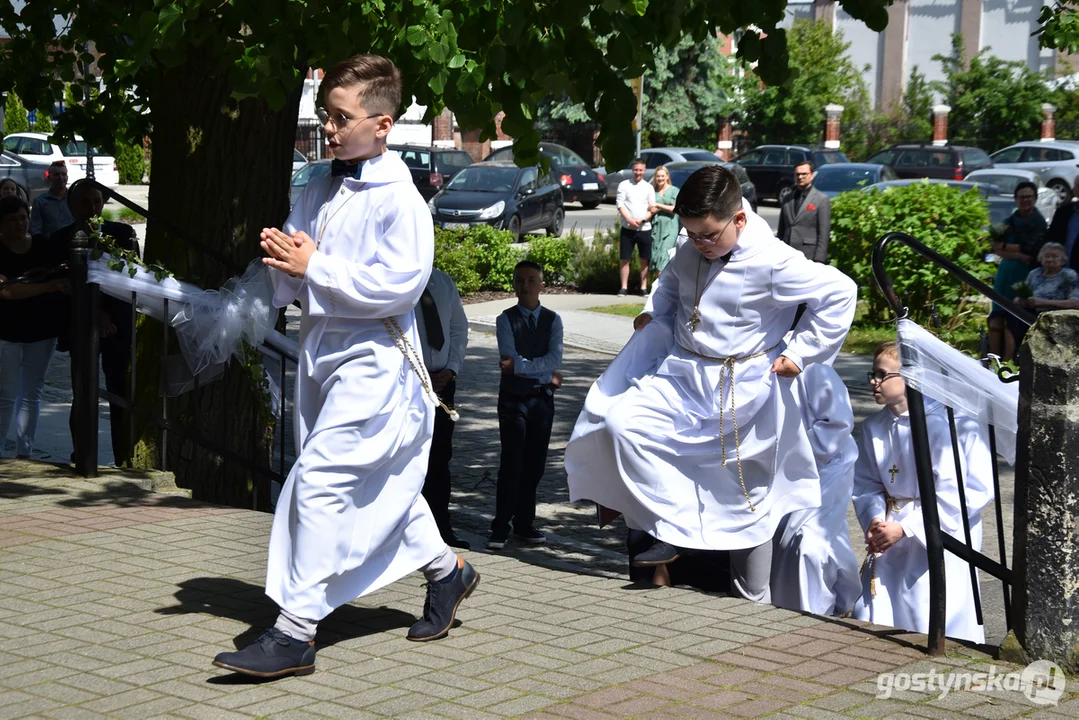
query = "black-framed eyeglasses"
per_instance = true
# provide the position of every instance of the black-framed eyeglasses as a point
(339, 120)
(709, 239)
(880, 376)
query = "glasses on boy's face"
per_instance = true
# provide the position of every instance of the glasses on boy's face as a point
(709, 239)
(880, 376)
(339, 120)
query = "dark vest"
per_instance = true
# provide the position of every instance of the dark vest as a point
(529, 345)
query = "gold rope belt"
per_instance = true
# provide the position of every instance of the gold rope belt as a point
(402, 342)
(727, 371)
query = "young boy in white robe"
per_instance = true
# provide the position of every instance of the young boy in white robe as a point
(357, 252)
(813, 564)
(895, 579)
(696, 436)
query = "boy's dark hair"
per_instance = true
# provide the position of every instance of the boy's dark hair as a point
(812, 167)
(12, 204)
(638, 161)
(527, 265)
(80, 188)
(376, 79)
(712, 190)
(58, 163)
(1026, 185)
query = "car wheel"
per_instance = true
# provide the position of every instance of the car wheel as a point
(783, 193)
(1064, 193)
(514, 228)
(592, 205)
(555, 228)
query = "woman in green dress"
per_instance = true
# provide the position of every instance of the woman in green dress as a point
(664, 221)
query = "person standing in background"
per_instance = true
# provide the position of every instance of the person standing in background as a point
(50, 211)
(664, 221)
(805, 217)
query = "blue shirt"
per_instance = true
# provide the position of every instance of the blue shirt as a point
(49, 214)
(539, 369)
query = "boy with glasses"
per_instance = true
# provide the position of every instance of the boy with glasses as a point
(356, 252)
(895, 577)
(693, 432)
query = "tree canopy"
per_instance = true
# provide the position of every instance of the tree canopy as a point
(477, 56)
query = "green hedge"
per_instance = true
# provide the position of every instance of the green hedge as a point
(477, 258)
(944, 218)
(130, 163)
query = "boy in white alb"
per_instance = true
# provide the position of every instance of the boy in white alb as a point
(813, 565)
(693, 431)
(895, 580)
(356, 251)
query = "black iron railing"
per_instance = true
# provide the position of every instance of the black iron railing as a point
(85, 357)
(936, 540)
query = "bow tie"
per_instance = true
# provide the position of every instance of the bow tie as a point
(340, 167)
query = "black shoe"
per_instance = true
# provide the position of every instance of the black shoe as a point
(455, 542)
(442, 602)
(623, 292)
(659, 554)
(274, 654)
(497, 539)
(532, 536)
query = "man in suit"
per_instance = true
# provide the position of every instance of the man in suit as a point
(443, 329)
(1065, 228)
(805, 217)
(114, 322)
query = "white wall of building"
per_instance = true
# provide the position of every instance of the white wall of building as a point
(929, 32)
(866, 48)
(1006, 28)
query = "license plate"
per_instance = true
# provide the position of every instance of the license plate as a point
(454, 226)
(590, 186)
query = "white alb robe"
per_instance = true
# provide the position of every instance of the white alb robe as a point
(813, 564)
(902, 571)
(350, 518)
(648, 441)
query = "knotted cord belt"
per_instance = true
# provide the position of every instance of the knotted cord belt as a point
(870, 561)
(727, 371)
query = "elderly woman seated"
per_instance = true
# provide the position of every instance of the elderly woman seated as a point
(1053, 286)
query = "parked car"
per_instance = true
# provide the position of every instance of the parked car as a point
(653, 158)
(1056, 163)
(943, 162)
(680, 172)
(1000, 207)
(1006, 180)
(36, 146)
(31, 175)
(502, 195)
(579, 182)
(310, 171)
(771, 167)
(298, 160)
(432, 168)
(834, 179)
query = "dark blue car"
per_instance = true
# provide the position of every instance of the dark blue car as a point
(834, 179)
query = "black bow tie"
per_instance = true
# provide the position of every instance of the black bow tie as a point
(340, 167)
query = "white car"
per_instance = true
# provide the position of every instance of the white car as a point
(1006, 179)
(36, 146)
(1056, 163)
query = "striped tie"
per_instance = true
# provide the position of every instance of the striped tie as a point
(531, 323)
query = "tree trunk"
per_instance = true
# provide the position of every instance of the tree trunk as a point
(221, 173)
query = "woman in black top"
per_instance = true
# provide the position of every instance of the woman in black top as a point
(30, 318)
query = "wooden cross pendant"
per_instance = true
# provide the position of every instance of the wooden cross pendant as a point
(893, 470)
(694, 321)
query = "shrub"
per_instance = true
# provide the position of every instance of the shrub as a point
(15, 118)
(43, 122)
(477, 258)
(595, 268)
(130, 163)
(944, 218)
(554, 255)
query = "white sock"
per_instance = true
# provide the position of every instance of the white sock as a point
(296, 627)
(442, 566)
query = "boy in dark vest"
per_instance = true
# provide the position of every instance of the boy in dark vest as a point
(530, 347)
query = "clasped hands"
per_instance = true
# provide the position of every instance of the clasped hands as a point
(882, 535)
(287, 253)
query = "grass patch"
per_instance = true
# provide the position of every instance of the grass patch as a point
(627, 310)
(864, 339)
(124, 214)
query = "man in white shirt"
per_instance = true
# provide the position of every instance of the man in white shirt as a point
(443, 339)
(634, 198)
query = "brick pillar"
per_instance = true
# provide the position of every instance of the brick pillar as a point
(725, 139)
(442, 130)
(1049, 122)
(940, 124)
(831, 126)
(470, 143)
(501, 139)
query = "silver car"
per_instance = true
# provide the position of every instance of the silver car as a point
(1007, 179)
(653, 158)
(1056, 163)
